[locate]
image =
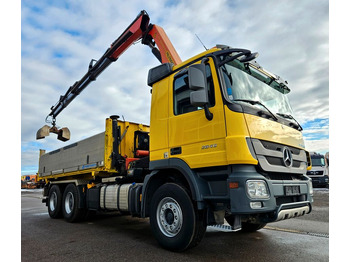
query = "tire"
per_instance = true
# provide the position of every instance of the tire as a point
(70, 200)
(54, 202)
(175, 223)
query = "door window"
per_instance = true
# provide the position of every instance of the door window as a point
(182, 92)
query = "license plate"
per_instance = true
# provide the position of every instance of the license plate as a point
(292, 190)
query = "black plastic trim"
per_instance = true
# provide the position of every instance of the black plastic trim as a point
(195, 183)
(176, 151)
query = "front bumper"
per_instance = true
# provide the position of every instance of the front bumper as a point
(286, 211)
(278, 206)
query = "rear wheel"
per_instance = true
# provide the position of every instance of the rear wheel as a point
(71, 212)
(55, 200)
(175, 223)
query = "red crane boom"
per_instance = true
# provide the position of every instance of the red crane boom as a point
(140, 29)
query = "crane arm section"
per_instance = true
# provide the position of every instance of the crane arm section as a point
(140, 29)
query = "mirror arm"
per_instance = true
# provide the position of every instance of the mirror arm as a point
(208, 114)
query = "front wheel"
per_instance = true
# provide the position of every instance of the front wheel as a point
(175, 223)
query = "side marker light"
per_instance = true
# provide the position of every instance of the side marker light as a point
(233, 185)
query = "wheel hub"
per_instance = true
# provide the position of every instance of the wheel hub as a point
(53, 201)
(69, 202)
(169, 217)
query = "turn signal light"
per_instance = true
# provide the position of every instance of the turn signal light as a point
(233, 185)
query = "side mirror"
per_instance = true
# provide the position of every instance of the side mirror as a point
(197, 82)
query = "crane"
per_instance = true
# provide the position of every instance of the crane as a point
(151, 35)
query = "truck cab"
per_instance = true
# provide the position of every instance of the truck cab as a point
(223, 125)
(319, 170)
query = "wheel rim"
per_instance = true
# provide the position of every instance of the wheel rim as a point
(169, 217)
(69, 202)
(53, 201)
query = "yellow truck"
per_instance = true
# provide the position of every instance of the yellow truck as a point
(222, 145)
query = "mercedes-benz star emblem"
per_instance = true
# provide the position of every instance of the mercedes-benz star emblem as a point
(287, 157)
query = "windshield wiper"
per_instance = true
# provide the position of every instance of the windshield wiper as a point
(254, 102)
(291, 117)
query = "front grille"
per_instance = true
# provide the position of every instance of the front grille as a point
(270, 157)
(278, 147)
(277, 161)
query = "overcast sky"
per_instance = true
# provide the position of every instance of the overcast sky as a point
(59, 38)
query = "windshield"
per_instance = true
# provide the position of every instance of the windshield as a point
(248, 82)
(317, 161)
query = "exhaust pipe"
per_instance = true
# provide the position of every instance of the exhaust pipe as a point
(63, 134)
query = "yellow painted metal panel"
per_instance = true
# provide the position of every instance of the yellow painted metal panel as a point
(202, 141)
(236, 144)
(159, 154)
(204, 154)
(159, 119)
(127, 132)
(238, 152)
(265, 129)
(108, 144)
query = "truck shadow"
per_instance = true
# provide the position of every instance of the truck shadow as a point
(232, 245)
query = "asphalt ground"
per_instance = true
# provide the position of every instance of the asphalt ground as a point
(113, 237)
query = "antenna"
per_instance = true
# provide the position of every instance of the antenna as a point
(201, 42)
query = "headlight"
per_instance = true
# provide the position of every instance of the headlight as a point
(257, 189)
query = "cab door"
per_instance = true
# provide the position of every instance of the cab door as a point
(192, 137)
